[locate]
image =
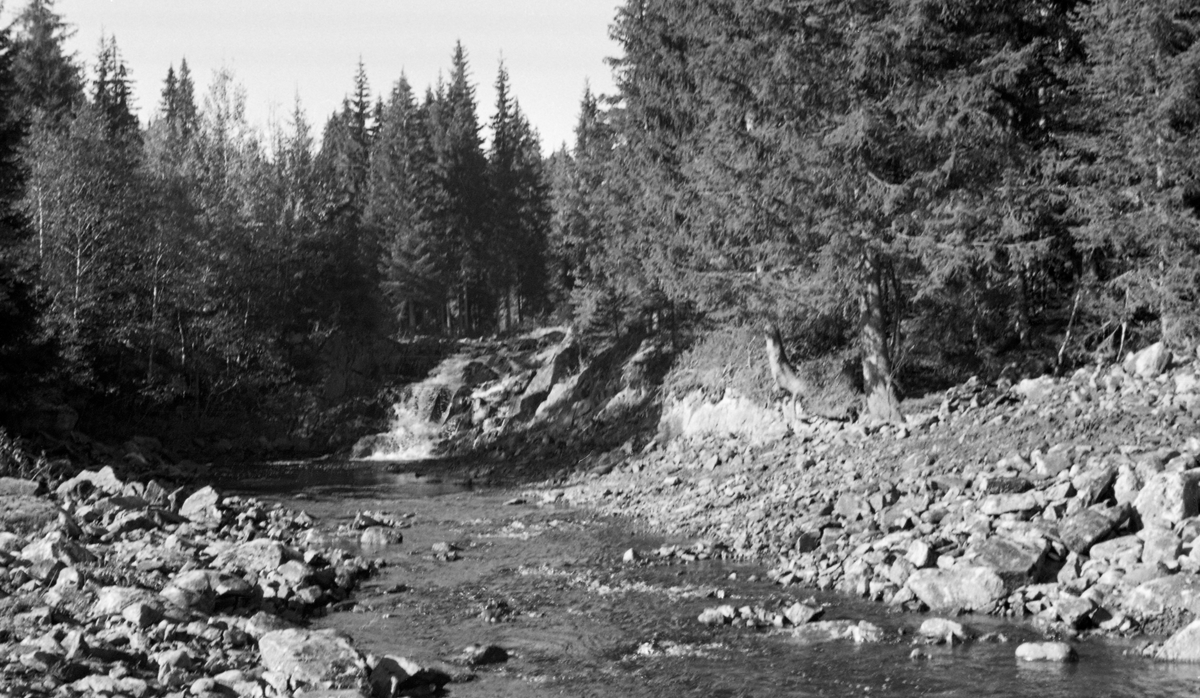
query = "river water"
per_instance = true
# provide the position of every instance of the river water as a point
(548, 585)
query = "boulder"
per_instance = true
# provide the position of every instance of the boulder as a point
(203, 589)
(1168, 498)
(997, 504)
(203, 506)
(830, 630)
(1046, 652)
(1148, 362)
(1083, 529)
(1149, 600)
(104, 480)
(943, 629)
(17, 487)
(322, 659)
(1016, 561)
(259, 555)
(113, 600)
(966, 588)
(1091, 483)
(1123, 551)
(1183, 646)
(56, 546)
(1160, 545)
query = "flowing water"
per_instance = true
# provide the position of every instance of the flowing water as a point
(548, 585)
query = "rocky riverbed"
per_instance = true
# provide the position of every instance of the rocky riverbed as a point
(1070, 502)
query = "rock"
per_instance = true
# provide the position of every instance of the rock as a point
(799, 614)
(1046, 652)
(718, 615)
(1091, 483)
(1150, 600)
(1127, 485)
(260, 555)
(1083, 529)
(142, 614)
(1051, 463)
(1125, 550)
(16, 487)
(1073, 610)
(104, 479)
(920, 554)
(100, 684)
(203, 589)
(966, 588)
(479, 655)
(830, 630)
(1035, 390)
(1016, 561)
(1168, 498)
(1160, 545)
(322, 659)
(203, 506)
(1183, 646)
(630, 555)
(1148, 362)
(997, 504)
(57, 546)
(941, 628)
(262, 623)
(400, 676)
(1006, 485)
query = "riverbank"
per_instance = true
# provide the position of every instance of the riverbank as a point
(1069, 502)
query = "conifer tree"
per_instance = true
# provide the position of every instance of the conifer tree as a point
(49, 80)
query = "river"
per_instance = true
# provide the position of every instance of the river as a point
(547, 584)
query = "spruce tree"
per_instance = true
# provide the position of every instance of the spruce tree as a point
(49, 80)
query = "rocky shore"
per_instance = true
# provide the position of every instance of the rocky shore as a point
(114, 588)
(1069, 502)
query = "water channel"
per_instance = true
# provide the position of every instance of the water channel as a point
(547, 583)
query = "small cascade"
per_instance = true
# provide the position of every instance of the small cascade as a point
(416, 426)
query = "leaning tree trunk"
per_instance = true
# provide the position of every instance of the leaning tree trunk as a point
(882, 403)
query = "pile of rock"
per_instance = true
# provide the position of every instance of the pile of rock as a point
(125, 588)
(1073, 501)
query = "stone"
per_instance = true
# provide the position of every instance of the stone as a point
(104, 480)
(920, 554)
(1126, 549)
(966, 588)
(262, 623)
(1083, 529)
(379, 537)
(1183, 646)
(1149, 362)
(1006, 485)
(1073, 610)
(799, 613)
(1127, 485)
(1015, 561)
(943, 628)
(1160, 545)
(997, 504)
(17, 487)
(203, 506)
(852, 506)
(203, 589)
(260, 555)
(322, 659)
(1168, 498)
(1046, 652)
(1150, 600)
(1035, 390)
(100, 684)
(479, 655)
(1051, 463)
(142, 614)
(830, 630)
(57, 546)
(1090, 484)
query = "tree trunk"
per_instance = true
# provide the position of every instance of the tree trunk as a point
(882, 403)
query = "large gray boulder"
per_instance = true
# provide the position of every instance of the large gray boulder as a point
(202, 507)
(259, 555)
(321, 659)
(1168, 498)
(1183, 646)
(1165, 595)
(202, 590)
(1016, 561)
(966, 588)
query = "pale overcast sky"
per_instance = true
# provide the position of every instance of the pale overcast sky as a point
(278, 48)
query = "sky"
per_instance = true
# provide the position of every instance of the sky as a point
(278, 49)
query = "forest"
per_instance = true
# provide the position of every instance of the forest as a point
(941, 187)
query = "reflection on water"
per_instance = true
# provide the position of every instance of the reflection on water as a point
(333, 478)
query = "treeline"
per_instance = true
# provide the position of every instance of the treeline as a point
(932, 181)
(933, 184)
(195, 261)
